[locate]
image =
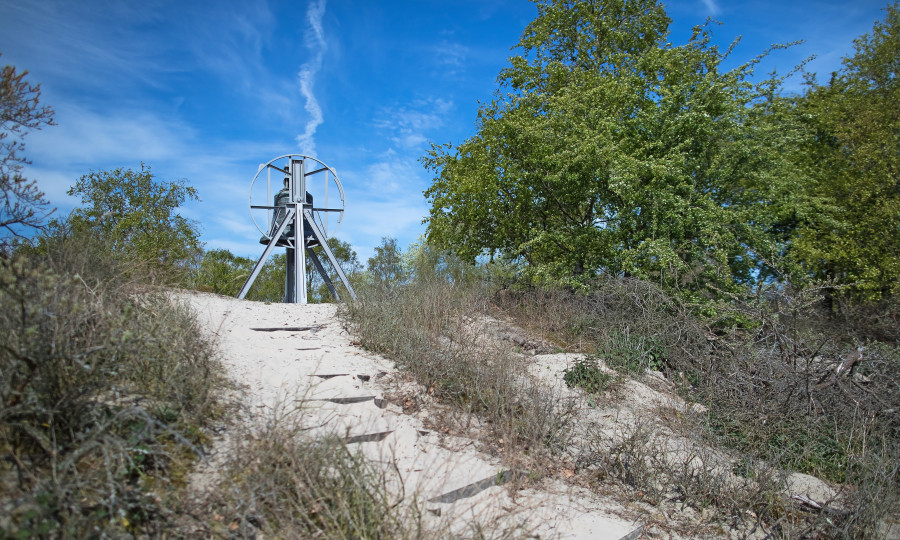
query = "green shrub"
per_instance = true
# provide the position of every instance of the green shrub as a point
(633, 354)
(587, 375)
(104, 388)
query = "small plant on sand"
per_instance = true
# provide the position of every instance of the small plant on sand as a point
(633, 353)
(587, 375)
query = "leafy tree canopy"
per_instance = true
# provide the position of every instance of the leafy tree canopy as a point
(852, 159)
(608, 149)
(136, 215)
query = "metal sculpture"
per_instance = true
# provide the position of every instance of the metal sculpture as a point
(293, 222)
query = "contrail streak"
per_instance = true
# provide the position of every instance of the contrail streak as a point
(315, 42)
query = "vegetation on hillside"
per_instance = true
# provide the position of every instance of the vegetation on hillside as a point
(610, 150)
(624, 197)
(105, 389)
(633, 201)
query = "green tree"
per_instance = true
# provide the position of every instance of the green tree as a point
(222, 272)
(852, 157)
(608, 149)
(135, 214)
(23, 205)
(385, 268)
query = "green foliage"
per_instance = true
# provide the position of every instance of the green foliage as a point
(23, 205)
(423, 262)
(852, 158)
(269, 284)
(587, 375)
(385, 268)
(613, 151)
(103, 393)
(222, 272)
(633, 353)
(135, 215)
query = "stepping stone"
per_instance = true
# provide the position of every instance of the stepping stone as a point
(475, 487)
(345, 400)
(368, 437)
(289, 329)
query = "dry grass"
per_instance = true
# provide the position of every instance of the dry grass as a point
(435, 331)
(774, 398)
(104, 390)
(279, 481)
(775, 395)
(629, 321)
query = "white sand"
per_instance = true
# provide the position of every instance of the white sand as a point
(283, 366)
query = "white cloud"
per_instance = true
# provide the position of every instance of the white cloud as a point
(451, 58)
(315, 41)
(366, 224)
(712, 7)
(410, 126)
(86, 140)
(396, 175)
(84, 137)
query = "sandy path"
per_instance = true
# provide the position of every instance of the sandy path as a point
(280, 352)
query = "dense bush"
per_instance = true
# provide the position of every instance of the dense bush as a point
(799, 384)
(104, 387)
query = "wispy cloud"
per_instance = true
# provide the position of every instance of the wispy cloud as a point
(315, 41)
(451, 58)
(409, 126)
(393, 175)
(369, 222)
(712, 7)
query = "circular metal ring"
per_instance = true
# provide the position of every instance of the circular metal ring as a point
(318, 180)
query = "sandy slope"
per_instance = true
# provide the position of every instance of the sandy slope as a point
(300, 354)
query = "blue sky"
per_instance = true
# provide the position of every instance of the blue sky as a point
(207, 90)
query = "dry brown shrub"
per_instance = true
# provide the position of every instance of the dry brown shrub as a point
(430, 328)
(588, 321)
(103, 393)
(279, 481)
(773, 384)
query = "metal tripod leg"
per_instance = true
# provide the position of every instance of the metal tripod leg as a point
(318, 264)
(268, 251)
(314, 227)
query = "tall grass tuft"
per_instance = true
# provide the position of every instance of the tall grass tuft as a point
(280, 481)
(104, 388)
(433, 326)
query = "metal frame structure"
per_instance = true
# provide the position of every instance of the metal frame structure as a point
(309, 225)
